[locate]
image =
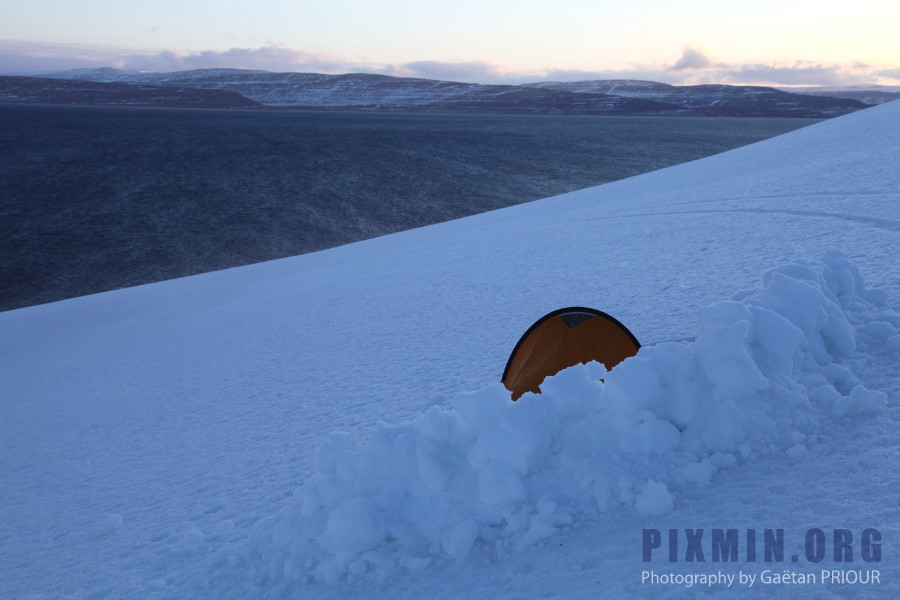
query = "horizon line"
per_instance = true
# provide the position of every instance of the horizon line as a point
(823, 87)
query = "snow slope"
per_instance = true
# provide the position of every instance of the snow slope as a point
(153, 438)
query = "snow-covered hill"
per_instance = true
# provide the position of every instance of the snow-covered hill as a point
(153, 438)
(872, 95)
(746, 100)
(42, 90)
(363, 91)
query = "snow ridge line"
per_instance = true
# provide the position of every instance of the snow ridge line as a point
(886, 224)
(766, 375)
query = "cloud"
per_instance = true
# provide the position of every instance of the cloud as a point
(801, 73)
(694, 66)
(647, 74)
(697, 67)
(691, 60)
(889, 73)
(455, 71)
(268, 58)
(24, 56)
(788, 75)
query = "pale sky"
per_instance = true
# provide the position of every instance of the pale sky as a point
(763, 42)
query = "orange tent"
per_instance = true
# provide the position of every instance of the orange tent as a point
(563, 338)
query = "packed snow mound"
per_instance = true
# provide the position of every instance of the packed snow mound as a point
(770, 372)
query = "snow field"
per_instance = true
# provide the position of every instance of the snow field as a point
(766, 375)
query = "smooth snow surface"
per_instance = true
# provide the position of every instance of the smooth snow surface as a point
(330, 426)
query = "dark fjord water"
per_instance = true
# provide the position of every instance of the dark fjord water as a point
(97, 198)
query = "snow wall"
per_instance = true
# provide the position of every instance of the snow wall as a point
(769, 372)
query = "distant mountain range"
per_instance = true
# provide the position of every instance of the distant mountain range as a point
(870, 96)
(68, 91)
(235, 88)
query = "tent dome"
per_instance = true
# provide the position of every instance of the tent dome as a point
(563, 338)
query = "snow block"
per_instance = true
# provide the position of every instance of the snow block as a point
(352, 527)
(654, 500)
(766, 374)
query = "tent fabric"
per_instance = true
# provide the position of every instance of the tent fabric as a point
(563, 338)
